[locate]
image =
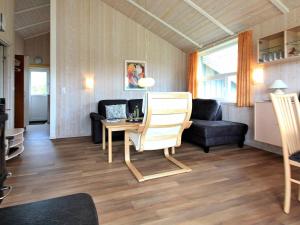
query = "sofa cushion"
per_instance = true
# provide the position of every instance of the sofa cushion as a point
(208, 129)
(103, 103)
(116, 111)
(205, 109)
(132, 103)
(295, 157)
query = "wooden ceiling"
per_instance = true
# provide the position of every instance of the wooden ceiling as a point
(32, 17)
(236, 15)
(184, 26)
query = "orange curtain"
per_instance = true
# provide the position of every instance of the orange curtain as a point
(192, 74)
(244, 70)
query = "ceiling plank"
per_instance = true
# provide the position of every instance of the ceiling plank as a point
(208, 16)
(32, 25)
(281, 6)
(31, 9)
(164, 23)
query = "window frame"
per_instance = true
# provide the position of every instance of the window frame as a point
(224, 76)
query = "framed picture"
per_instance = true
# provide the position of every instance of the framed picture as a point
(134, 70)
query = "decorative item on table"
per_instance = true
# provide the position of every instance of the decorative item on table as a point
(134, 71)
(293, 52)
(278, 86)
(271, 56)
(136, 113)
(275, 55)
(265, 58)
(130, 117)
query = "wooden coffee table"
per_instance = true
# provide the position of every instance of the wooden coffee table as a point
(121, 125)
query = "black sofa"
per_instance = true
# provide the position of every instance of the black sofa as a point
(97, 117)
(208, 129)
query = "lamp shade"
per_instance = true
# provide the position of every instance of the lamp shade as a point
(146, 82)
(278, 84)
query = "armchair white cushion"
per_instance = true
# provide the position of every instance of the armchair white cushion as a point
(166, 116)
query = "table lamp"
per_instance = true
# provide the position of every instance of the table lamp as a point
(146, 83)
(277, 86)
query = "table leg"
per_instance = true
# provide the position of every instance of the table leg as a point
(109, 146)
(173, 150)
(103, 137)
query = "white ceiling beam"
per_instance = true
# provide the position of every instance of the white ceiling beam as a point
(32, 25)
(31, 9)
(208, 16)
(36, 35)
(281, 6)
(164, 23)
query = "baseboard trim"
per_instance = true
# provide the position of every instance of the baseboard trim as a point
(269, 148)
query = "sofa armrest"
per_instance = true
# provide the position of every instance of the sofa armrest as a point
(96, 116)
(96, 127)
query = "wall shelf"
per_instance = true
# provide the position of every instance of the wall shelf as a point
(279, 47)
(14, 142)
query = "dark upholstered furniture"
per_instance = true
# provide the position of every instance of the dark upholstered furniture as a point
(78, 209)
(97, 117)
(208, 128)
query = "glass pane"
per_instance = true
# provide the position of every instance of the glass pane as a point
(213, 88)
(38, 83)
(232, 88)
(222, 61)
(217, 72)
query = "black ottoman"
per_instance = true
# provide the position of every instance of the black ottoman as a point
(207, 133)
(78, 209)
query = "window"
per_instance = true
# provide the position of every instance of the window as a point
(38, 83)
(217, 72)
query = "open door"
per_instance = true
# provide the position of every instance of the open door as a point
(39, 95)
(19, 91)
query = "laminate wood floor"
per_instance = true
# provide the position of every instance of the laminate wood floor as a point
(227, 186)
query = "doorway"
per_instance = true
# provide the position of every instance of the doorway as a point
(39, 98)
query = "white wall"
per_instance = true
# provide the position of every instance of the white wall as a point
(94, 40)
(38, 46)
(8, 37)
(289, 72)
(19, 44)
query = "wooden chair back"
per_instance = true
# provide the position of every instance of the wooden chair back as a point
(167, 114)
(287, 111)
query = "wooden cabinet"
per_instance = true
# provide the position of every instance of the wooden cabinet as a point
(266, 127)
(271, 48)
(279, 47)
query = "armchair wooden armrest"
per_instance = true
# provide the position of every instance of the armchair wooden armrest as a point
(187, 124)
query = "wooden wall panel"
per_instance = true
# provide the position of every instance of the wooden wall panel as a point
(7, 8)
(38, 46)
(286, 71)
(94, 40)
(19, 44)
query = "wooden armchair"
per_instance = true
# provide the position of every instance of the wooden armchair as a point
(287, 111)
(166, 116)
